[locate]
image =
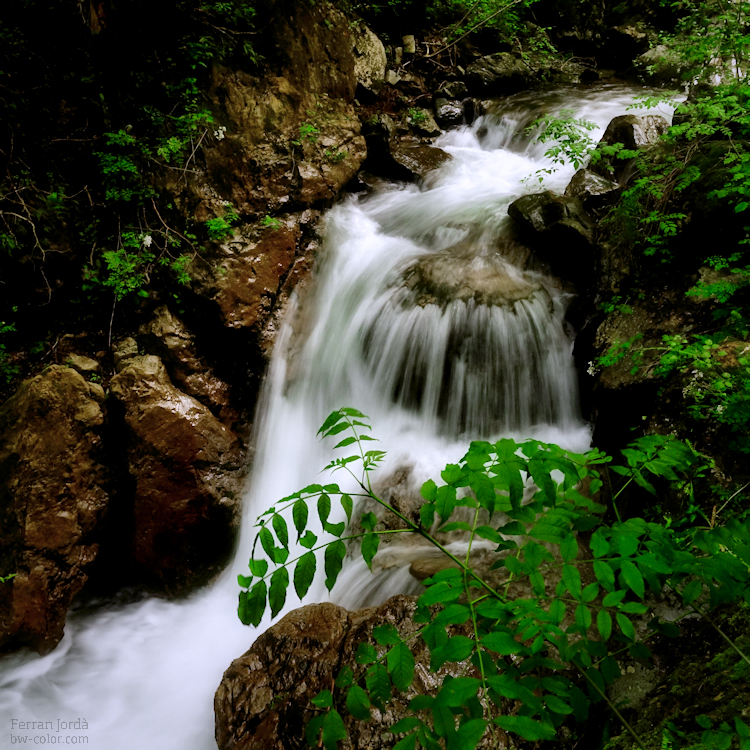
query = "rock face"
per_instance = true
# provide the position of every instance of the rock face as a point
(369, 58)
(187, 470)
(52, 494)
(263, 700)
(559, 231)
(415, 161)
(635, 133)
(495, 75)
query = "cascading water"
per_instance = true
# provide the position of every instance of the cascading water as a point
(424, 319)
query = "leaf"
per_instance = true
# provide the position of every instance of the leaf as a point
(427, 515)
(604, 574)
(299, 516)
(369, 521)
(451, 473)
(345, 442)
(304, 572)
(614, 598)
(604, 624)
(455, 692)
(429, 491)
(308, 540)
(331, 420)
(457, 648)
(404, 725)
(244, 581)
(366, 653)
(258, 567)
(445, 502)
(590, 593)
(625, 626)
(487, 532)
(599, 545)
(345, 677)
(469, 734)
(324, 508)
(583, 617)
(569, 548)
(572, 580)
(386, 635)
(501, 643)
(633, 578)
(334, 559)
(557, 705)
(277, 593)
(440, 593)
(253, 604)
(333, 729)
(357, 703)
(280, 527)
(527, 728)
(348, 506)
(692, 591)
(323, 699)
(378, 684)
(335, 529)
(369, 548)
(400, 661)
(266, 540)
(407, 743)
(610, 670)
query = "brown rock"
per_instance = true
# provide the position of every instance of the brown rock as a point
(263, 701)
(167, 336)
(414, 161)
(187, 469)
(52, 495)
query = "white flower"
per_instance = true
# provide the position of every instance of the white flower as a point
(147, 240)
(219, 132)
(593, 369)
(720, 408)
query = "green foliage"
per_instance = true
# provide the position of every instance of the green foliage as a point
(271, 222)
(568, 134)
(308, 133)
(8, 370)
(416, 116)
(221, 226)
(532, 662)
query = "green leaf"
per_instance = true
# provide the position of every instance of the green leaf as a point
(369, 548)
(253, 604)
(569, 548)
(407, 743)
(599, 545)
(457, 648)
(304, 572)
(348, 506)
(469, 734)
(445, 502)
(400, 661)
(427, 515)
(357, 703)
(572, 580)
(345, 442)
(557, 705)
(331, 420)
(604, 574)
(633, 578)
(487, 532)
(451, 473)
(258, 567)
(692, 591)
(244, 581)
(614, 598)
(386, 635)
(333, 729)
(590, 593)
(345, 677)
(334, 559)
(277, 593)
(324, 508)
(404, 725)
(583, 617)
(527, 728)
(610, 670)
(266, 540)
(625, 626)
(323, 699)
(378, 684)
(335, 529)
(299, 516)
(501, 643)
(604, 624)
(308, 539)
(429, 491)
(369, 521)
(366, 653)
(280, 527)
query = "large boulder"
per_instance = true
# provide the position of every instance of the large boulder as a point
(263, 701)
(413, 161)
(369, 58)
(53, 493)
(497, 75)
(559, 231)
(635, 133)
(187, 471)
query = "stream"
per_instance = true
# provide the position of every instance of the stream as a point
(423, 318)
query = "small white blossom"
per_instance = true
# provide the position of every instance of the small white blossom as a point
(593, 369)
(720, 408)
(219, 132)
(147, 240)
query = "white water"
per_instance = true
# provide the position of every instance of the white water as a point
(431, 378)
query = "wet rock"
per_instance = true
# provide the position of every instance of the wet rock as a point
(559, 231)
(422, 122)
(444, 277)
(660, 64)
(167, 336)
(187, 471)
(53, 493)
(453, 90)
(263, 701)
(413, 161)
(369, 57)
(448, 113)
(635, 133)
(496, 75)
(588, 187)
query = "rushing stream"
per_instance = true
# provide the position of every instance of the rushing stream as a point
(422, 318)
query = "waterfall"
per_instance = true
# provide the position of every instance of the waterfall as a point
(424, 318)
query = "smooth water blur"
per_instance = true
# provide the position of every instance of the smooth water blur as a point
(432, 368)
